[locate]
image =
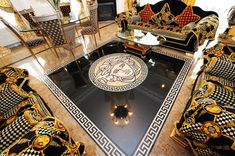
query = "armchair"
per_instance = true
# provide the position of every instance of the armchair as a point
(207, 123)
(27, 125)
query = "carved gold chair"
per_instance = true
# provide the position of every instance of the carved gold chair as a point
(52, 28)
(91, 27)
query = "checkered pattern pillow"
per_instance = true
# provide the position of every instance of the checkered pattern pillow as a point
(34, 102)
(219, 94)
(146, 13)
(221, 68)
(48, 137)
(17, 129)
(10, 96)
(219, 80)
(186, 17)
(163, 17)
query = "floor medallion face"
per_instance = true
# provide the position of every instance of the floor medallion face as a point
(118, 72)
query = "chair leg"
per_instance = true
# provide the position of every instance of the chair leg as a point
(83, 38)
(99, 34)
(56, 52)
(95, 40)
(30, 50)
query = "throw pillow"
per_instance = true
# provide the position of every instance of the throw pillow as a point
(163, 17)
(221, 68)
(146, 13)
(186, 17)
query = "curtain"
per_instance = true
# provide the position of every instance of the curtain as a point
(189, 2)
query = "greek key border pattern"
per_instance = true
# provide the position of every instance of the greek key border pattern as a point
(100, 138)
(154, 129)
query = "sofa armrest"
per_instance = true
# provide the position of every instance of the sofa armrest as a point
(206, 28)
(123, 16)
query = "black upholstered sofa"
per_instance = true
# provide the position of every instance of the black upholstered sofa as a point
(186, 38)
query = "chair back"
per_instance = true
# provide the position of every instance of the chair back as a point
(27, 14)
(51, 26)
(94, 16)
(65, 8)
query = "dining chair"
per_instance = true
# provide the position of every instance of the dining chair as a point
(30, 44)
(27, 15)
(52, 28)
(91, 27)
(65, 8)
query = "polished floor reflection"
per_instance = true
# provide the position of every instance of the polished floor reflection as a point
(123, 116)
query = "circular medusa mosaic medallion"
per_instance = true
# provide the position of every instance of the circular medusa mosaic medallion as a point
(118, 72)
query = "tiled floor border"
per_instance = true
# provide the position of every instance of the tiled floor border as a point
(154, 129)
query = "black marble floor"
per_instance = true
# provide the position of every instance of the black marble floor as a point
(142, 102)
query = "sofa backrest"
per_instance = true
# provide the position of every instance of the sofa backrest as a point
(177, 7)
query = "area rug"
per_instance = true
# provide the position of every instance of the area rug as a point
(126, 122)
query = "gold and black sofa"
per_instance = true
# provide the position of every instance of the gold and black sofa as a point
(27, 125)
(163, 22)
(208, 121)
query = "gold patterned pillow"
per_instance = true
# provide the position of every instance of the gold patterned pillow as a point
(163, 17)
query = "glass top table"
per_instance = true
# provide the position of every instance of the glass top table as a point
(139, 37)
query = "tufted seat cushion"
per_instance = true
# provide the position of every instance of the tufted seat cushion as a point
(36, 41)
(171, 31)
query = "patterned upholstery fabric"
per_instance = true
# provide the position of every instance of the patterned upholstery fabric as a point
(14, 74)
(219, 94)
(209, 118)
(221, 68)
(188, 39)
(35, 41)
(93, 28)
(29, 19)
(170, 31)
(163, 17)
(123, 16)
(146, 13)
(18, 128)
(221, 51)
(206, 28)
(65, 9)
(10, 96)
(48, 137)
(141, 25)
(188, 27)
(206, 77)
(25, 126)
(209, 128)
(186, 17)
(34, 102)
(53, 29)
